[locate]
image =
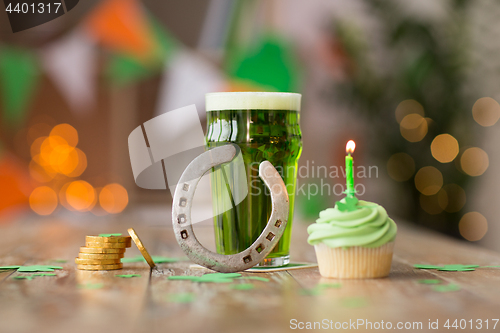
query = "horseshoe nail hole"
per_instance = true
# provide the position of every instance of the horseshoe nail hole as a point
(278, 223)
(183, 202)
(185, 187)
(259, 248)
(247, 259)
(181, 218)
(270, 236)
(184, 234)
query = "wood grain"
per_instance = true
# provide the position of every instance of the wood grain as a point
(65, 303)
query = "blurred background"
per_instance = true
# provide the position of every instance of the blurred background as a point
(414, 83)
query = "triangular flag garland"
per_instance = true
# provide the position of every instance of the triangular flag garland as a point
(187, 78)
(122, 69)
(19, 73)
(122, 26)
(271, 65)
(71, 63)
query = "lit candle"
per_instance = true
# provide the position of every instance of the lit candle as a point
(349, 173)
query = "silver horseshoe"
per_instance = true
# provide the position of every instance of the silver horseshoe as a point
(181, 214)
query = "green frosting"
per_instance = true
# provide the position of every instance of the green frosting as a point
(368, 226)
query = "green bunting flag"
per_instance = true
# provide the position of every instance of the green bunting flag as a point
(123, 69)
(19, 74)
(271, 64)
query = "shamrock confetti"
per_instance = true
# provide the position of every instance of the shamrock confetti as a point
(62, 261)
(44, 274)
(32, 276)
(450, 268)
(4, 268)
(128, 275)
(109, 235)
(181, 298)
(243, 286)
(38, 268)
(349, 205)
(429, 281)
(446, 288)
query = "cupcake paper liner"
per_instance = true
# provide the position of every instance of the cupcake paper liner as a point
(355, 262)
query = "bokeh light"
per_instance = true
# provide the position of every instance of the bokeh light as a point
(43, 200)
(456, 198)
(81, 164)
(113, 198)
(486, 111)
(444, 148)
(67, 132)
(428, 180)
(407, 107)
(400, 167)
(473, 226)
(433, 204)
(413, 127)
(81, 195)
(474, 161)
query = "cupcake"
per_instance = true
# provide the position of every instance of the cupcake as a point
(353, 240)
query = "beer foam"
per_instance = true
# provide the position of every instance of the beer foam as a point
(252, 101)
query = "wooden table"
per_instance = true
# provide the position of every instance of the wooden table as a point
(57, 304)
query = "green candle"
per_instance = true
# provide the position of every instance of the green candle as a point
(349, 172)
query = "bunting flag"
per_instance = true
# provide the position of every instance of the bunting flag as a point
(122, 69)
(19, 74)
(15, 182)
(122, 26)
(187, 78)
(271, 65)
(71, 64)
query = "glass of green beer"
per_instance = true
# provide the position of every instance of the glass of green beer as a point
(265, 125)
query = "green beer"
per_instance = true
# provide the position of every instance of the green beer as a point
(266, 127)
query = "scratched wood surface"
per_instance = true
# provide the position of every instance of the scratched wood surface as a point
(57, 304)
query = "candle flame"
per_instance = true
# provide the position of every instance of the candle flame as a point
(350, 146)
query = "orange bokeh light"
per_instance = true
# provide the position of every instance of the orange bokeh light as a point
(113, 198)
(81, 196)
(67, 132)
(43, 200)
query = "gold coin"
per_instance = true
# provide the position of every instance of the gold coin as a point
(141, 247)
(99, 267)
(112, 239)
(107, 245)
(84, 249)
(100, 256)
(81, 261)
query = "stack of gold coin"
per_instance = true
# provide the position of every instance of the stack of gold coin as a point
(102, 253)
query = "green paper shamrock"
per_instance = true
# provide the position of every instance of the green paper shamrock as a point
(128, 275)
(44, 274)
(4, 268)
(450, 268)
(181, 298)
(243, 286)
(38, 268)
(109, 235)
(429, 281)
(446, 288)
(350, 204)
